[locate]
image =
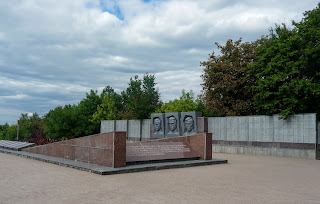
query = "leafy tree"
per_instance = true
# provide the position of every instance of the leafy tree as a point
(8, 132)
(287, 68)
(227, 81)
(185, 103)
(141, 98)
(61, 122)
(85, 111)
(29, 125)
(111, 106)
(3, 131)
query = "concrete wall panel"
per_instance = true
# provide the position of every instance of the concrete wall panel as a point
(121, 125)
(218, 127)
(107, 126)
(260, 129)
(280, 129)
(238, 128)
(134, 128)
(298, 123)
(145, 134)
(309, 128)
(319, 133)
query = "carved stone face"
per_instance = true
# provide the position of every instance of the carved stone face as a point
(172, 123)
(189, 124)
(157, 124)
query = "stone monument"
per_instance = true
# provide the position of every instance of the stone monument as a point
(190, 122)
(158, 125)
(172, 124)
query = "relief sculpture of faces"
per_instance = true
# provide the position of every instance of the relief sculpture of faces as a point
(157, 124)
(172, 123)
(189, 123)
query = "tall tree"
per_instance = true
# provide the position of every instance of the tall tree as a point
(8, 132)
(227, 81)
(288, 68)
(85, 111)
(141, 98)
(111, 106)
(29, 124)
(61, 122)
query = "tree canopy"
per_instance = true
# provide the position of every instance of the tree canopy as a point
(277, 74)
(141, 98)
(287, 69)
(185, 103)
(227, 82)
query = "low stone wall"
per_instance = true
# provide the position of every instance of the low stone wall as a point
(265, 135)
(107, 149)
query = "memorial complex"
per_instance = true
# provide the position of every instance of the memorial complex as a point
(175, 143)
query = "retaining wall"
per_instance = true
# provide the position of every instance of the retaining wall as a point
(108, 149)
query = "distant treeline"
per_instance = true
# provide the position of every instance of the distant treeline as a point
(138, 101)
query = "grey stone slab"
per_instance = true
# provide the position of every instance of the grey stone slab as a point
(280, 129)
(260, 129)
(318, 133)
(309, 128)
(172, 125)
(107, 126)
(109, 171)
(121, 125)
(189, 122)
(134, 129)
(289, 137)
(145, 131)
(218, 127)
(238, 128)
(158, 125)
(298, 128)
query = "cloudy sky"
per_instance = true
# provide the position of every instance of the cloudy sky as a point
(53, 52)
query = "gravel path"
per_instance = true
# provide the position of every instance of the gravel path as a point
(246, 179)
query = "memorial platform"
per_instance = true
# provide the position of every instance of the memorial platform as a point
(103, 170)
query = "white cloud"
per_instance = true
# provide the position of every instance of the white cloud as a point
(53, 52)
(17, 96)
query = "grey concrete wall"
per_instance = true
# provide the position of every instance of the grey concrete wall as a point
(145, 131)
(300, 128)
(107, 126)
(318, 143)
(318, 133)
(121, 125)
(268, 131)
(134, 129)
(275, 137)
(237, 128)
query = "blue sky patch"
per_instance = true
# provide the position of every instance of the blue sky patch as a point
(114, 9)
